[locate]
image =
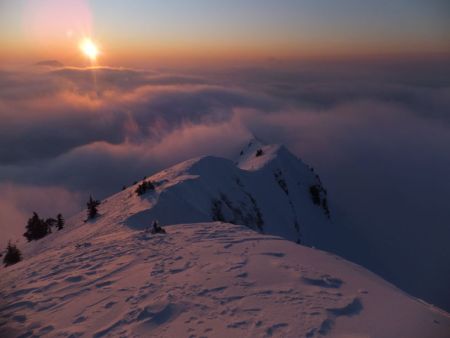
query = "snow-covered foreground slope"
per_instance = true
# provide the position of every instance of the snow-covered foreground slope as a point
(200, 280)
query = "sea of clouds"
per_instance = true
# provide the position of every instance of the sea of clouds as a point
(378, 134)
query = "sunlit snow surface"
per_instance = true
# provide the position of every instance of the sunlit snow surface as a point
(204, 280)
(111, 277)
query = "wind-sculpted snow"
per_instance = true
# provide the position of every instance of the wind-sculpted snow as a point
(201, 280)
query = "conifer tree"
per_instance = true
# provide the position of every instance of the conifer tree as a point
(59, 222)
(12, 256)
(50, 222)
(36, 228)
(144, 187)
(92, 207)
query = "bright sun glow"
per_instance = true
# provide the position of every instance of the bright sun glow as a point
(89, 49)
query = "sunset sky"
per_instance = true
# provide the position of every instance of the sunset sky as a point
(145, 31)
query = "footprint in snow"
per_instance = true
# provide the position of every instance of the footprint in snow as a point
(351, 309)
(103, 284)
(324, 281)
(74, 279)
(109, 304)
(273, 254)
(270, 331)
(242, 275)
(238, 325)
(19, 318)
(79, 320)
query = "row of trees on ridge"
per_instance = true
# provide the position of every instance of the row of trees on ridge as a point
(38, 228)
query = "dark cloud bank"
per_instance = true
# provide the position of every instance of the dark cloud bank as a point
(379, 135)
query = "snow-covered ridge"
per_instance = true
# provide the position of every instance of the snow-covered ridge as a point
(267, 189)
(207, 277)
(269, 193)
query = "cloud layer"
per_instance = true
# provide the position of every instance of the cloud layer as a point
(379, 136)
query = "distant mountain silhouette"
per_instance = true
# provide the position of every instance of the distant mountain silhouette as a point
(49, 63)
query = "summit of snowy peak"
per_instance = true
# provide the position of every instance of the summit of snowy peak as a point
(270, 193)
(273, 192)
(256, 155)
(252, 146)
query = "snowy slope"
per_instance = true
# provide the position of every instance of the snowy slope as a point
(109, 277)
(200, 280)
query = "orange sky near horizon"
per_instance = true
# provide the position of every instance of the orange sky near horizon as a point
(36, 30)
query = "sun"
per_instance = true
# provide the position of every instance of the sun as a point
(89, 49)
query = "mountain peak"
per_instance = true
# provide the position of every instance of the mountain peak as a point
(256, 154)
(50, 63)
(267, 190)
